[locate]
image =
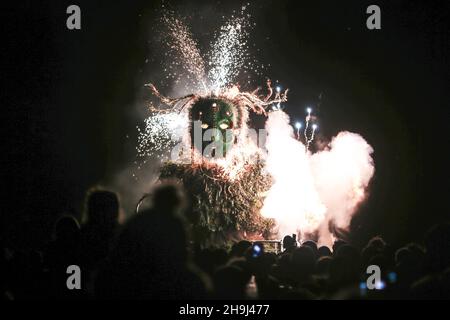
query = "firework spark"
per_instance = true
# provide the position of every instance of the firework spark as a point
(229, 52)
(308, 117)
(161, 132)
(182, 46)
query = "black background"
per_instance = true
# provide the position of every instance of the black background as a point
(69, 98)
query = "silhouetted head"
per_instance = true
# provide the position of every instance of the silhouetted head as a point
(66, 227)
(376, 246)
(337, 244)
(288, 243)
(230, 282)
(402, 255)
(324, 251)
(102, 208)
(313, 245)
(168, 197)
(377, 242)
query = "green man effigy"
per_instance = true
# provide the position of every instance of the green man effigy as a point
(213, 126)
(223, 207)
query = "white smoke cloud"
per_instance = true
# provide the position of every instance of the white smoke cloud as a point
(310, 190)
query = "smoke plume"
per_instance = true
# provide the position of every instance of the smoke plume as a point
(311, 190)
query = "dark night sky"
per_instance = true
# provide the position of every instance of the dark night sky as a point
(70, 98)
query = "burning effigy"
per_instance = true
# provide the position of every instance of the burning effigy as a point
(242, 182)
(222, 169)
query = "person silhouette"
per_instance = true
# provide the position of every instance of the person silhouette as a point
(150, 260)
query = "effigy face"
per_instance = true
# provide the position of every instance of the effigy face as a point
(213, 126)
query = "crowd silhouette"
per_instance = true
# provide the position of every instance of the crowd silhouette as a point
(151, 256)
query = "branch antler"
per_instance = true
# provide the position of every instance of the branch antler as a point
(176, 104)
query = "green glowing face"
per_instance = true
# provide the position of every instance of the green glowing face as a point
(217, 119)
